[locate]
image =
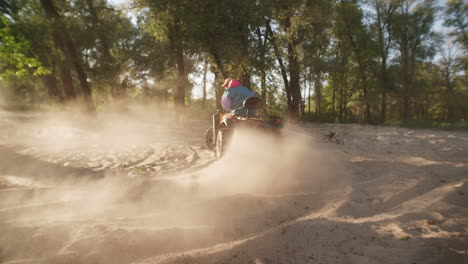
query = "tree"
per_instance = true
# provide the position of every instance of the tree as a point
(447, 64)
(169, 23)
(317, 26)
(15, 58)
(457, 17)
(353, 33)
(287, 48)
(107, 62)
(347, 59)
(383, 13)
(64, 42)
(205, 72)
(412, 27)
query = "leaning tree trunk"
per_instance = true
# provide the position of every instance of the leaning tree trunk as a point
(65, 72)
(69, 51)
(67, 83)
(50, 80)
(284, 73)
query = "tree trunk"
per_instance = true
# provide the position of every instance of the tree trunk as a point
(368, 115)
(124, 88)
(406, 105)
(65, 72)
(309, 95)
(219, 64)
(449, 96)
(384, 74)
(382, 24)
(219, 75)
(67, 83)
(345, 111)
(122, 102)
(384, 84)
(218, 92)
(318, 95)
(333, 101)
(263, 86)
(262, 41)
(69, 51)
(284, 74)
(179, 94)
(294, 75)
(108, 61)
(105, 46)
(304, 94)
(357, 49)
(404, 48)
(363, 84)
(245, 74)
(363, 80)
(83, 79)
(342, 94)
(50, 81)
(294, 84)
(383, 103)
(205, 72)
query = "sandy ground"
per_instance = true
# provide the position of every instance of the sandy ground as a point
(142, 190)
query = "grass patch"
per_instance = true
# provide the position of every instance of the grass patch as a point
(405, 238)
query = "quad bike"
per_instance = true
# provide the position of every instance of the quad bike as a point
(253, 116)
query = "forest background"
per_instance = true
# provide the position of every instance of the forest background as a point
(397, 62)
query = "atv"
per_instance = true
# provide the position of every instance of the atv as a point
(252, 115)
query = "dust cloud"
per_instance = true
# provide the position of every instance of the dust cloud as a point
(124, 187)
(260, 163)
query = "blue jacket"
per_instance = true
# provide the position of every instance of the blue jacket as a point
(233, 98)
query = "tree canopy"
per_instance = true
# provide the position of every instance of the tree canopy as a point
(372, 61)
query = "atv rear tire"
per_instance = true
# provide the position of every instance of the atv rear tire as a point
(221, 142)
(209, 139)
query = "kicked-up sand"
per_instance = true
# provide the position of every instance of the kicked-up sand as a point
(135, 189)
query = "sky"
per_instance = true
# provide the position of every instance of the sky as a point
(118, 2)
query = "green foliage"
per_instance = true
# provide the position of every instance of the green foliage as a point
(457, 17)
(348, 61)
(15, 58)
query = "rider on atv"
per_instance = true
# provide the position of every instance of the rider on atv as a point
(243, 109)
(234, 96)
